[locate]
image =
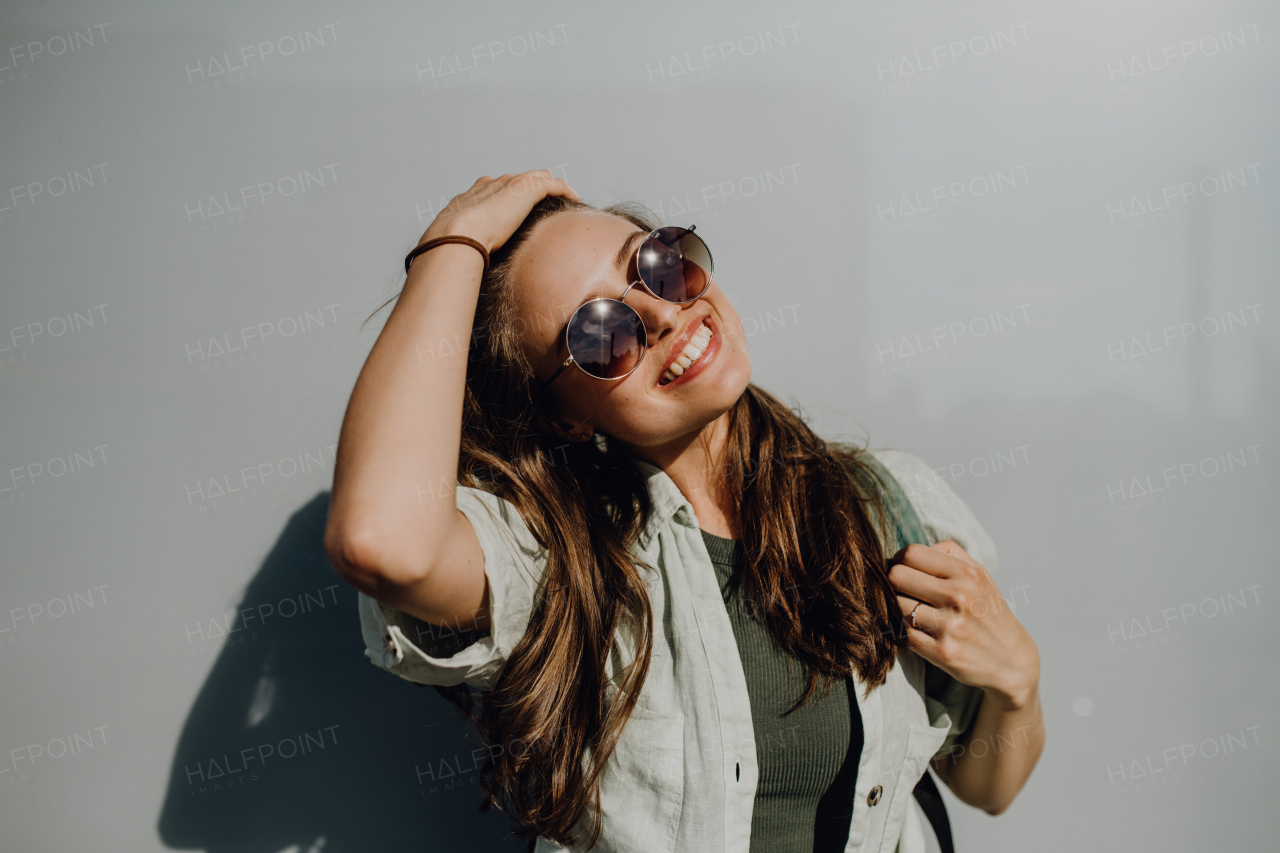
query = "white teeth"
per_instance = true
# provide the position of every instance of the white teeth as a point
(692, 352)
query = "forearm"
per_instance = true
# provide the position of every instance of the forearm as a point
(992, 763)
(397, 455)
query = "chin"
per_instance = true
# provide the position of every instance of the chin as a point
(717, 397)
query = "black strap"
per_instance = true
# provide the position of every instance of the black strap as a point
(930, 800)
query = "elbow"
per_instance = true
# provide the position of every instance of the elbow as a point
(997, 809)
(351, 556)
(359, 553)
(993, 802)
(997, 803)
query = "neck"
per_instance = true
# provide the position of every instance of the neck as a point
(692, 463)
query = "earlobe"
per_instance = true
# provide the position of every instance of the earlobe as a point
(576, 433)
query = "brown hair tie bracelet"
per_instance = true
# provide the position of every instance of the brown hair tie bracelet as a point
(439, 241)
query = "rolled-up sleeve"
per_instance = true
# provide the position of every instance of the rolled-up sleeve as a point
(944, 516)
(514, 564)
(958, 700)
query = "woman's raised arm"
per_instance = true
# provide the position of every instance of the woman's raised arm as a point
(394, 529)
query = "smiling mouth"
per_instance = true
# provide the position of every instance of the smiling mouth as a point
(692, 351)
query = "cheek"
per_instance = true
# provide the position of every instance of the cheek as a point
(731, 325)
(729, 316)
(577, 403)
(734, 361)
(626, 413)
(644, 420)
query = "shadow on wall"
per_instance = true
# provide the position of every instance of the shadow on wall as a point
(298, 741)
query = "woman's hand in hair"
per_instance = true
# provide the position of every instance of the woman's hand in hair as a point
(494, 207)
(963, 624)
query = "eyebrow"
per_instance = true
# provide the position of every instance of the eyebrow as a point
(625, 251)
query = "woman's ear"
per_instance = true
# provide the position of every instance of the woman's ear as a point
(556, 424)
(576, 432)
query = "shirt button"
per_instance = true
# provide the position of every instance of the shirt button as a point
(389, 642)
(873, 796)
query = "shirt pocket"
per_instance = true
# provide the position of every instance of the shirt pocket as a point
(923, 740)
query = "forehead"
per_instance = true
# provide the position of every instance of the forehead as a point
(570, 258)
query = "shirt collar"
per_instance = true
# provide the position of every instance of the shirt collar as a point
(668, 502)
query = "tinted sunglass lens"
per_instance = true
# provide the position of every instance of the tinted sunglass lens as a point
(675, 264)
(606, 338)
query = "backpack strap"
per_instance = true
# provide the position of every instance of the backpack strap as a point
(905, 525)
(907, 529)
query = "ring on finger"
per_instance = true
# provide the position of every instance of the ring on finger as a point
(913, 614)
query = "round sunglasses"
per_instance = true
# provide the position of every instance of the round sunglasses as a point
(605, 337)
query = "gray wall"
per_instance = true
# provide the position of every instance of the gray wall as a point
(1033, 243)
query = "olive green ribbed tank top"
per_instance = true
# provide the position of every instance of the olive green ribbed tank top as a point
(808, 759)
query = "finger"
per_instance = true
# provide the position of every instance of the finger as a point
(953, 548)
(544, 177)
(526, 184)
(561, 188)
(534, 187)
(554, 185)
(921, 586)
(922, 643)
(489, 188)
(567, 191)
(928, 620)
(929, 560)
(483, 188)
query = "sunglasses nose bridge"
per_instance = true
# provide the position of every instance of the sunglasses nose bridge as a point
(657, 316)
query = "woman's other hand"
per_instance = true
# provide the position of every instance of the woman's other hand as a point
(963, 623)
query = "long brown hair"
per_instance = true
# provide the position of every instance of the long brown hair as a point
(811, 538)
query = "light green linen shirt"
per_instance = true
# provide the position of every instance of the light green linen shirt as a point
(683, 776)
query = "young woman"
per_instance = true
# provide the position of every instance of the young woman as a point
(694, 633)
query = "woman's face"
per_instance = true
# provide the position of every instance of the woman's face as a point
(573, 257)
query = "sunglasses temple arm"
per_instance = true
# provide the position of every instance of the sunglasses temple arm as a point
(568, 361)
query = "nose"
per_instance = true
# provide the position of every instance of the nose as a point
(661, 318)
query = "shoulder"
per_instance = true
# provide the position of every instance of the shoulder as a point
(942, 512)
(911, 472)
(498, 523)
